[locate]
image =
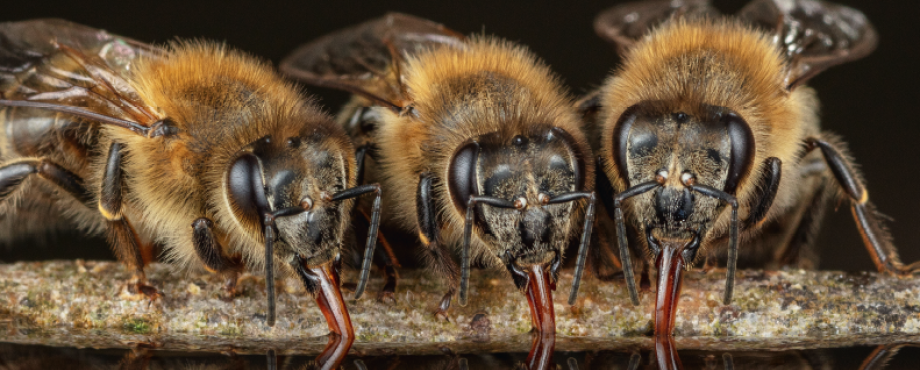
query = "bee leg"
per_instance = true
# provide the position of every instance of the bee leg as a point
(875, 235)
(709, 264)
(14, 173)
(385, 258)
(211, 254)
(645, 278)
(388, 264)
(604, 263)
(797, 251)
(360, 155)
(122, 236)
(429, 233)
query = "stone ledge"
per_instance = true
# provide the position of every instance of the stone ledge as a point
(83, 304)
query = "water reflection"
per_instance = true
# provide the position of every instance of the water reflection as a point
(542, 356)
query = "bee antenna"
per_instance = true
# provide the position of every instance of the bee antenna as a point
(270, 267)
(625, 260)
(467, 235)
(585, 236)
(371, 233)
(732, 264)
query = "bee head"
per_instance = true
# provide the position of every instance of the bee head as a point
(522, 172)
(288, 184)
(711, 147)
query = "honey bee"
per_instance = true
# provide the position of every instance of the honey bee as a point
(476, 147)
(194, 146)
(708, 136)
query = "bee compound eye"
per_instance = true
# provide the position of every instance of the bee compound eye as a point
(742, 151)
(461, 175)
(245, 188)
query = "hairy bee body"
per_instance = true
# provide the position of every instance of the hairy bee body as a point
(711, 142)
(219, 103)
(688, 66)
(198, 148)
(490, 87)
(476, 141)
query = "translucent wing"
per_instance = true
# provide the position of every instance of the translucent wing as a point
(624, 24)
(66, 67)
(365, 59)
(814, 35)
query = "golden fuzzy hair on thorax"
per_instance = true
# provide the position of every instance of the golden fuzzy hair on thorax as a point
(486, 86)
(716, 62)
(192, 71)
(427, 73)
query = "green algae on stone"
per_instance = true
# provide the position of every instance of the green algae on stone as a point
(137, 326)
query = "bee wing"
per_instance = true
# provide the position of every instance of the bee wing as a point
(814, 35)
(67, 67)
(624, 24)
(365, 59)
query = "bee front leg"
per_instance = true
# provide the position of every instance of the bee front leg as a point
(384, 258)
(429, 233)
(212, 254)
(121, 235)
(874, 234)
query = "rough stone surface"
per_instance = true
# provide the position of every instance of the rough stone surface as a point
(85, 303)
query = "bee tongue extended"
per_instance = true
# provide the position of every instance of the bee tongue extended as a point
(330, 301)
(670, 266)
(540, 297)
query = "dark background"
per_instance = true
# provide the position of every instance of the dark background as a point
(871, 103)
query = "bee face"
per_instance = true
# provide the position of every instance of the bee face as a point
(711, 146)
(301, 173)
(527, 170)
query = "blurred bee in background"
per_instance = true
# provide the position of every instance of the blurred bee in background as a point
(707, 136)
(480, 129)
(197, 147)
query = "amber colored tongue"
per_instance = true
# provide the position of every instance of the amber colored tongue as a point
(670, 267)
(330, 301)
(540, 297)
